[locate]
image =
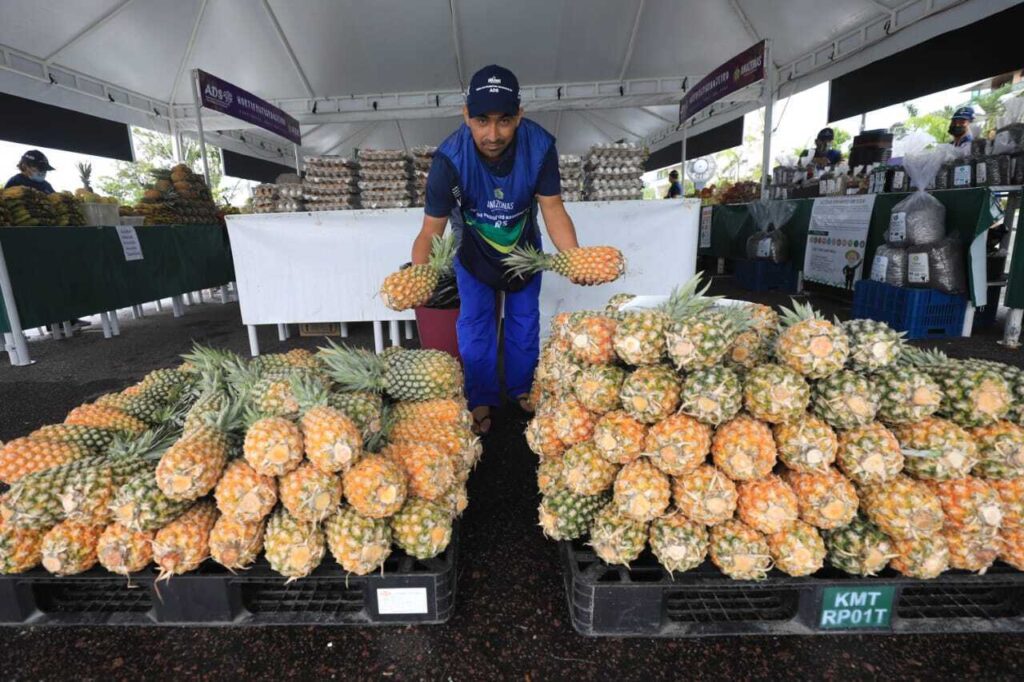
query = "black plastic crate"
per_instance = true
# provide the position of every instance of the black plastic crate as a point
(645, 600)
(407, 592)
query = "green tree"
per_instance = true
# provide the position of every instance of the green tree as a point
(990, 104)
(935, 124)
(842, 141)
(154, 150)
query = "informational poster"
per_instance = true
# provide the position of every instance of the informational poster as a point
(130, 242)
(836, 239)
(705, 227)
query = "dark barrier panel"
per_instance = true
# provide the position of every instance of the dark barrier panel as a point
(248, 167)
(43, 125)
(725, 136)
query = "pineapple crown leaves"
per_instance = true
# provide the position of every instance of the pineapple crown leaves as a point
(686, 300)
(308, 391)
(800, 312)
(526, 260)
(740, 317)
(149, 446)
(924, 358)
(353, 369)
(229, 419)
(442, 252)
(375, 441)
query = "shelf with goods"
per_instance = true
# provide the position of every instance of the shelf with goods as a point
(332, 481)
(728, 467)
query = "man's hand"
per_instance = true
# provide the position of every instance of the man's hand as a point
(559, 224)
(432, 227)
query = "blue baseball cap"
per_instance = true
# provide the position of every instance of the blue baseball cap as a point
(493, 90)
(965, 113)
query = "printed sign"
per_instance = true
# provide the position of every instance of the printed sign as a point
(836, 238)
(897, 227)
(849, 608)
(917, 268)
(879, 268)
(232, 100)
(962, 176)
(744, 69)
(130, 242)
(401, 600)
(705, 227)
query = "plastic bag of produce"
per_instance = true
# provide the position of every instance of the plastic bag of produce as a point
(1009, 139)
(770, 242)
(890, 265)
(920, 218)
(938, 266)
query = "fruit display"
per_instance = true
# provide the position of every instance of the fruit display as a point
(724, 432)
(586, 265)
(177, 197)
(612, 172)
(289, 456)
(27, 207)
(413, 286)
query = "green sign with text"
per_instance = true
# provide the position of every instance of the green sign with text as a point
(846, 608)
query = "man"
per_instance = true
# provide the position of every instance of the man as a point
(488, 178)
(958, 127)
(675, 189)
(32, 172)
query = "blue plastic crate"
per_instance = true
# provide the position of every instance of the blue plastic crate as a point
(921, 313)
(764, 275)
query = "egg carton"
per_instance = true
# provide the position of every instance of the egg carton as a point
(289, 191)
(289, 206)
(615, 183)
(614, 194)
(375, 155)
(329, 162)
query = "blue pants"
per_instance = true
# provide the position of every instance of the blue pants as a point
(477, 329)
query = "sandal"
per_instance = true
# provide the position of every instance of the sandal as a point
(481, 423)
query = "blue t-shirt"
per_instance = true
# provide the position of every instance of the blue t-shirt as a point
(22, 180)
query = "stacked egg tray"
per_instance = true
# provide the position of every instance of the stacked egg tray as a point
(331, 184)
(613, 172)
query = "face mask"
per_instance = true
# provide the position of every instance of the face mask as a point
(957, 130)
(37, 177)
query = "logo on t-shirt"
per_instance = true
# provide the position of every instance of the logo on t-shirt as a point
(498, 194)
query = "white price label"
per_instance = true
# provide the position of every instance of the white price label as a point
(897, 227)
(879, 268)
(962, 176)
(898, 178)
(764, 248)
(705, 227)
(981, 173)
(917, 268)
(401, 600)
(129, 242)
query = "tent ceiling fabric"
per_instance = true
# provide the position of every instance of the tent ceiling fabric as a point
(354, 47)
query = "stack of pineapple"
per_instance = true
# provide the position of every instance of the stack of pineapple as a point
(290, 455)
(704, 429)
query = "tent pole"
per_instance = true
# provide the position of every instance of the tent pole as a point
(298, 160)
(769, 106)
(20, 356)
(682, 161)
(199, 125)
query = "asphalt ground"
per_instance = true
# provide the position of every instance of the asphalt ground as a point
(510, 619)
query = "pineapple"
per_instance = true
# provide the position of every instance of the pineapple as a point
(93, 438)
(455, 441)
(20, 548)
(86, 496)
(619, 438)
(713, 396)
(615, 537)
(826, 500)
(598, 387)
(141, 404)
(23, 456)
(903, 508)
(679, 543)
(566, 515)
(591, 340)
(1000, 450)
(309, 494)
(743, 449)
(366, 409)
(640, 337)
(557, 372)
(905, 394)
(755, 345)
(767, 505)
(581, 265)
(35, 501)
(99, 417)
(456, 500)
(869, 455)
(124, 551)
(69, 548)
(971, 550)
(923, 558)
(810, 344)
(293, 548)
(331, 440)
(797, 549)
(1011, 550)
(1011, 494)
(376, 486)
(859, 548)
(191, 467)
(936, 449)
(243, 494)
(139, 505)
(678, 444)
(167, 385)
(273, 446)
(586, 471)
(845, 400)
(970, 504)
(739, 551)
(972, 395)
(439, 411)
(1014, 379)
(641, 491)
(873, 345)
(573, 422)
(550, 476)
(430, 471)
(775, 394)
(705, 495)
(650, 394)
(542, 439)
(617, 301)
(359, 544)
(697, 334)
(412, 287)
(806, 444)
(409, 375)
(184, 543)
(236, 544)
(422, 529)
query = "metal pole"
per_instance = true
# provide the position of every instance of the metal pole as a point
(682, 163)
(20, 345)
(393, 331)
(378, 336)
(68, 331)
(105, 323)
(254, 343)
(55, 331)
(1011, 333)
(769, 108)
(12, 352)
(199, 125)
(344, 330)
(282, 332)
(408, 329)
(115, 324)
(298, 160)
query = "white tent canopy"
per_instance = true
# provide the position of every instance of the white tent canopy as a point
(593, 70)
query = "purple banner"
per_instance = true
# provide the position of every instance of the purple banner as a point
(742, 70)
(232, 100)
